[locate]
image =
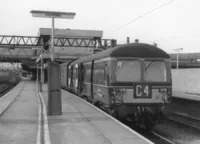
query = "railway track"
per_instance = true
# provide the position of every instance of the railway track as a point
(175, 131)
(7, 88)
(185, 119)
(178, 128)
(153, 135)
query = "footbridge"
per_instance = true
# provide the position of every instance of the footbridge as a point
(69, 44)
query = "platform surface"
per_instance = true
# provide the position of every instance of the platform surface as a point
(184, 95)
(81, 123)
(18, 124)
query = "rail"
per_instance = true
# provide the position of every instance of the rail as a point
(8, 88)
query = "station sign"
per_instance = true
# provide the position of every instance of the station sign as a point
(53, 14)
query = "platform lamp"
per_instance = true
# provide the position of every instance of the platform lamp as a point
(53, 15)
(177, 55)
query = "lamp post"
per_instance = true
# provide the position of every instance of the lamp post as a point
(177, 56)
(53, 15)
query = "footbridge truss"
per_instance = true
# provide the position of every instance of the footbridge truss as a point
(17, 48)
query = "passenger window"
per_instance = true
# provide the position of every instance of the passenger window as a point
(87, 73)
(100, 73)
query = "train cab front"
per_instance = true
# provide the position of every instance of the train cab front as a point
(141, 88)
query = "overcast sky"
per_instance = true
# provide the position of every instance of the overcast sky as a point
(176, 25)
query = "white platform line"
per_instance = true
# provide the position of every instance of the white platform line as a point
(39, 137)
(42, 108)
(46, 125)
(39, 124)
(118, 122)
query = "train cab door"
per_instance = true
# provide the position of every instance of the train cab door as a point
(67, 76)
(100, 82)
(70, 78)
(80, 78)
(75, 78)
(86, 80)
(92, 70)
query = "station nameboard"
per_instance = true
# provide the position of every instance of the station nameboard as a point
(53, 14)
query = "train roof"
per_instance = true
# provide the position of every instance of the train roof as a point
(128, 50)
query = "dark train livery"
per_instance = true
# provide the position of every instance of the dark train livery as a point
(132, 81)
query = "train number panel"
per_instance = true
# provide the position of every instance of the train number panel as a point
(142, 91)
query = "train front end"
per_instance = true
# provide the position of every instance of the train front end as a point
(141, 88)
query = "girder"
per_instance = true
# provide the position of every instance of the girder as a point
(31, 41)
(12, 41)
(16, 48)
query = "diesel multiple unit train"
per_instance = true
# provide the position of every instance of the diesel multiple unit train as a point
(132, 81)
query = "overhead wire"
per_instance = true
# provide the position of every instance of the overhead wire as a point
(143, 15)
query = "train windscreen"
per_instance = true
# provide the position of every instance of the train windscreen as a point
(155, 71)
(128, 70)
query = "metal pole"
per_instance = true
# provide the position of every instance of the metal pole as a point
(37, 77)
(52, 40)
(41, 71)
(177, 61)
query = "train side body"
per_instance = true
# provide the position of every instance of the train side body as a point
(131, 81)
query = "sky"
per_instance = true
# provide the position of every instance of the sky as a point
(175, 25)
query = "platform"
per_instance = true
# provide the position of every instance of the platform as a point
(82, 123)
(21, 111)
(188, 96)
(19, 115)
(186, 84)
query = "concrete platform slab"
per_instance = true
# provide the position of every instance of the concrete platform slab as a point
(81, 123)
(19, 121)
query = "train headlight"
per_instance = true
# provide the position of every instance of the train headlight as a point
(164, 94)
(117, 95)
(165, 97)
